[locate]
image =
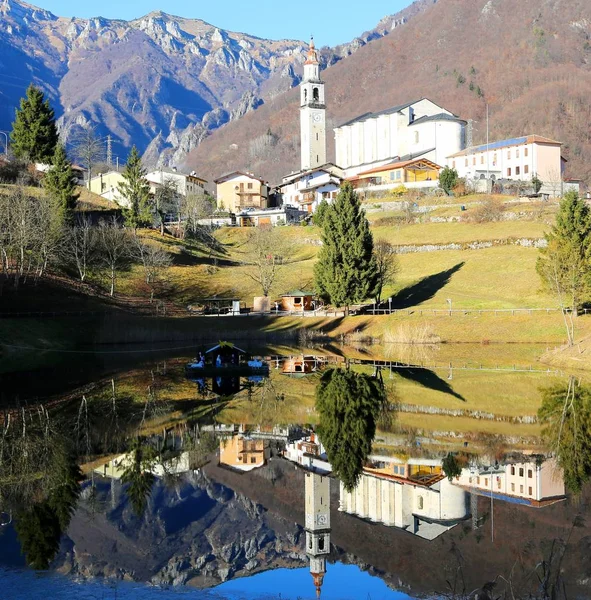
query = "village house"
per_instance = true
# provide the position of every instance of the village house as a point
(419, 129)
(107, 186)
(240, 190)
(185, 184)
(244, 453)
(252, 217)
(306, 189)
(297, 301)
(531, 483)
(309, 453)
(414, 495)
(411, 174)
(517, 159)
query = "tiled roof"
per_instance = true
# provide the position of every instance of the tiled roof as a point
(401, 165)
(518, 141)
(373, 115)
(438, 117)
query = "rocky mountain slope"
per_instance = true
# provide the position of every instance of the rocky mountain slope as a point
(530, 61)
(160, 82)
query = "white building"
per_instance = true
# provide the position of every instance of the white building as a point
(412, 130)
(530, 483)
(306, 189)
(312, 113)
(414, 495)
(185, 184)
(309, 453)
(518, 159)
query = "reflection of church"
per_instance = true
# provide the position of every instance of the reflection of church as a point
(317, 493)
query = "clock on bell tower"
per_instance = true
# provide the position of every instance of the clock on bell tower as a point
(312, 113)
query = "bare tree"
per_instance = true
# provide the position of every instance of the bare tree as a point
(114, 250)
(265, 255)
(166, 201)
(388, 266)
(88, 149)
(81, 245)
(192, 209)
(154, 261)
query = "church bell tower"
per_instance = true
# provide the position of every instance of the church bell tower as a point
(317, 492)
(312, 113)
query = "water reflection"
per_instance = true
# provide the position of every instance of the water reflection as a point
(190, 484)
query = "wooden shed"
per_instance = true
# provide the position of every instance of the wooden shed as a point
(297, 301)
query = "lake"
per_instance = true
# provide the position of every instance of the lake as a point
(345, 472)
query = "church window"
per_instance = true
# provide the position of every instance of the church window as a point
(316, 137)
(525, 151)
(530, 491)
(466, 163)
(473, 160)
(305, 95)
(516, 152)
(482, 159)
(416, 137)
(420, 502)
(526, 169)
(310, 544)
(316, 94)
(321, 543)
(508, 154)
(517, 170)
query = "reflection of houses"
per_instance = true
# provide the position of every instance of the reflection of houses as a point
(243, 452)
(182, 463)
(297, 301)
(309, 453)
(524, 483)
(302, 364)
(414, 495)
(317, 505)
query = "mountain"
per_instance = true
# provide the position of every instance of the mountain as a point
(530, 61)
(160, 82)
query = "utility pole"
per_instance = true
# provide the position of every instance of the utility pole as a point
(469, 134)
(109, 151)
(487, 152)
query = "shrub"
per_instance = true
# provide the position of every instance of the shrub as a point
(489, 210)
(399, 191)
(19, 171)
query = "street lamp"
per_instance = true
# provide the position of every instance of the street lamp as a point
(449, 302)
(390, 305)
(5, 134)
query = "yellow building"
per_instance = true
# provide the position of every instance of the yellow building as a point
(243, 453)
(239, 190)
(106, 185)
(418, 172)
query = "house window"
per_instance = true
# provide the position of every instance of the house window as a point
(473, 160)
(334, 195)
(420, 502)
(498, 483)
(526, 152)
(466, 162)
(512, 487)
(416, 137)
(495, 159)
(517, 171)
(509, 172)
(529, 491)
(396, 469)
(512, 470)
(249, 186)
(253, 460)
(517, 153)
(526, 169)
(521, 472)
(453, 164)
(402, 470)
(529, 474)
(508, 154)
(478, 480)
(482, 159)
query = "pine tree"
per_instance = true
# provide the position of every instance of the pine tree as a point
(60, 182)
(348, 404)
(564, 265)
(346, 271)
(34, 133)
(136, 190)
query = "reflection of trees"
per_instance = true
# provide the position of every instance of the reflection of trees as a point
(138, 474)
(566, 416)
(348, 404)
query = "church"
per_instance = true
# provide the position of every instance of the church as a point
(404, 145)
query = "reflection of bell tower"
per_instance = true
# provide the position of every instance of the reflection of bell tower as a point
(312, 113)
(317, 492)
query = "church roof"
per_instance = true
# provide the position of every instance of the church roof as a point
(438, 117)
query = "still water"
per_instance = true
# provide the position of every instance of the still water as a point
(403, 475)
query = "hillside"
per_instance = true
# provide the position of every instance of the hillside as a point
(530, 61)
(160, 82)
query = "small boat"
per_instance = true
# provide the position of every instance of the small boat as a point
(226, 359)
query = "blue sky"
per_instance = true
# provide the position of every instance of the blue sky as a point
(331, 21)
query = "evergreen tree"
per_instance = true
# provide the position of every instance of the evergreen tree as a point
(346, 271)
(448, 178)
(59, 181)
(34, 134)
(348, 404)
(38, 530)
(136, 190)
(320, 213)
(564, 265)
(138, 475)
